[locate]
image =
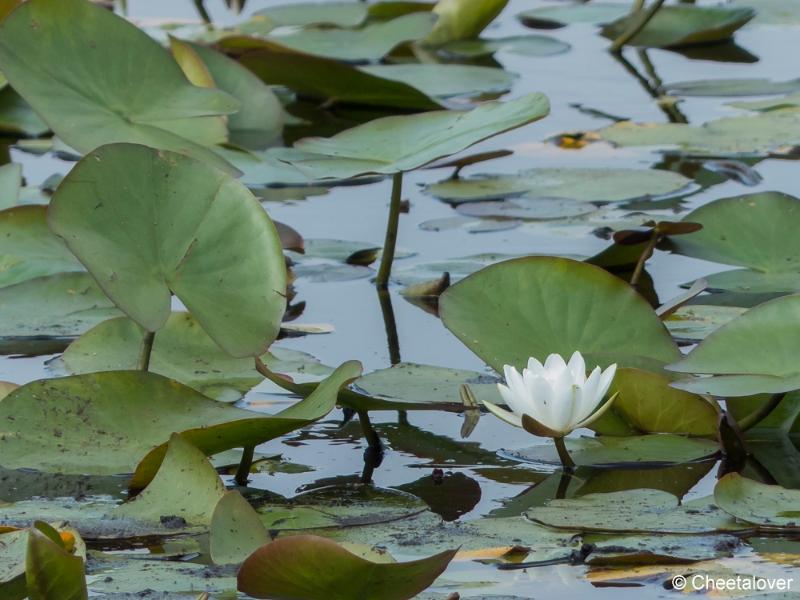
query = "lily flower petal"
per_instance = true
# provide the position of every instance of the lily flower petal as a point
(506, 416)
(598, 413)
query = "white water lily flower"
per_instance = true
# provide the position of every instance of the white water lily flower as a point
(555, 398)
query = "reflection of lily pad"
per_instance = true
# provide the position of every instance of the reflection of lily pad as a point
(587, 185)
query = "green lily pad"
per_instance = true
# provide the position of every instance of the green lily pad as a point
(773, 132)
(788, 101)
(658, 549)
(628, 451)
(261, 117)
(315, 568)
(57, 306)
(446, 81)
(634, 511)
(696, 322)
(184, 469)
(367, 44)
(758, 503)
(413, 386)
(754, 351)
(184, 352)
(595, 13)
(17, 116)
(646, 403)
(131, 414)
(138, 93)
(112, 212)
(236, 530)
(586, 185)
(51, 571)
(462, 19)
(324, 78)
(417, 139)
(523, 45)
(772, 12)
(677, 25)
(750, 231)
(301, 14)
(28, 249)
(10, 184)
(587, 309)
(527, 209)
(732, 87)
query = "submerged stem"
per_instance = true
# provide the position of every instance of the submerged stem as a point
(761, 413)
(387, 257)
(146, 351)
(638, 21)
(563, 454)
(369, 433)
(245, 463)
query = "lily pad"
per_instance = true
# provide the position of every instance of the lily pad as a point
(527, 209)
(758, 503)
(732, 87)
(751, 354)
(750, 231)
(51, 571)
(788, 101)
(772, 12)
(28, 248)
(595, 13)
(315, 568)
(773, 132)
(416, 139)
(634, 511)
(696, 322)
(677, 25)
(658, 549)
(138, 94)
(446, 81)
(586, 185)
(621, 452)
(57, 306)
(646, 403)
(587, 309)
(523, 45)
(367, 44)
(132, 414)
(150, 223)
(324, 78)
(301, 14)
(236, 530)
(261, 117)
(17, 116)
(184, 352)
(10, 184)
(413, 386)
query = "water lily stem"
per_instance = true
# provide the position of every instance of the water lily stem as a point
(638, 21)
(369, 433)
(563, 453)
(200, 6)
(645, 255)
(246, 462)
(146, 351)
(277, 379)
(387, 257)
(761, 413)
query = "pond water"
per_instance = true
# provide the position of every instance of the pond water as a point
(417, 444)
